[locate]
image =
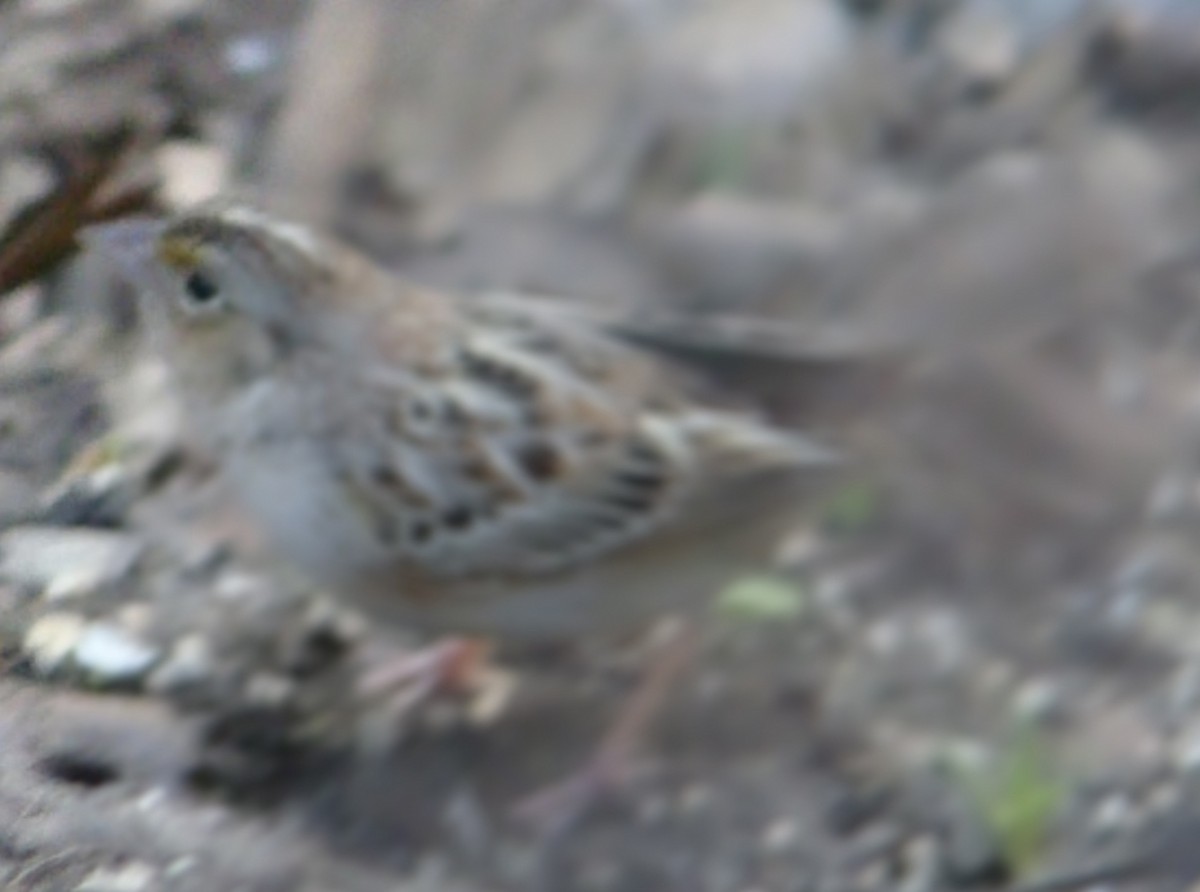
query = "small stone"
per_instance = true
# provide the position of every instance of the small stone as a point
(1040, 700)
(181, 866)
(270, 690)
(67, 560)
(235, 585)
(781, 835)
(494, 691)
(756, 58)
(52, 639)
(1113, 814)
(69, 585)
(200, 561)
(981, 43)
(99, 500)
(132, 877)
(252, 54)
(324, 617)
(137, 618)
(189, 663)
(109, 655)
(922, 865)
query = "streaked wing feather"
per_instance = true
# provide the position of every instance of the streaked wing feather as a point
(549, 444)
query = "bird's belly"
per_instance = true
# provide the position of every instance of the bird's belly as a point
(607, 597)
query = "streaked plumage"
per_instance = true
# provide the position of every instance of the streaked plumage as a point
(494, 465)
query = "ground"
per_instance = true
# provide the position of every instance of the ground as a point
(974, 665)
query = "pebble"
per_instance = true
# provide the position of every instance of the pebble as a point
(252, 54)
(270, 690)
(1113, 814)
(1040, 700)
(67, 561)
(99, 499)
(981, 44)
(756, 58)
(922, 865)
(236, 585)
(110, 655)
(52, 639)
(781, 835)
(132, 877)
(189, 662)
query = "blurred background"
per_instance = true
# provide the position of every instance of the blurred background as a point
(975, 220)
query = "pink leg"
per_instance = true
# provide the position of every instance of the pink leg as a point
(556, 807)
(411, 679)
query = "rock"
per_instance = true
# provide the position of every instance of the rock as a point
(922, 863)
(753, 59)
(63, 562)
(109, 655)
(132, 877)
(1041, 700)
(253, 54)
(99, 499)
(269, 690)
(781, 835)
(189, 663)
(52, 639)
(981, 43)
(1114, 814)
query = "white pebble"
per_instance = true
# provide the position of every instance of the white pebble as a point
(43, 556)
(132, 877)
(109, 654)
(52, 639)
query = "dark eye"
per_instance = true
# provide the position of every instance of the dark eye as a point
(201, 289)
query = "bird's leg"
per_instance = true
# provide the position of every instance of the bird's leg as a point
(558, 806)
(406, 681)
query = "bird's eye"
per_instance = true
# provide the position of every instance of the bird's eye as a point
(201, 291)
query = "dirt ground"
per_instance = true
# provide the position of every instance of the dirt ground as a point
(977, 666)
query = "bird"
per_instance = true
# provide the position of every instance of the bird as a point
(492, 465)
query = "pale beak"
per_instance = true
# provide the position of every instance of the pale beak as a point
(129, 246)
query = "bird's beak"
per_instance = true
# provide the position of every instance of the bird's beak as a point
(129, 245)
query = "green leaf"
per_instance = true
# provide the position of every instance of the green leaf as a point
(1020, 796)
(762, 597)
